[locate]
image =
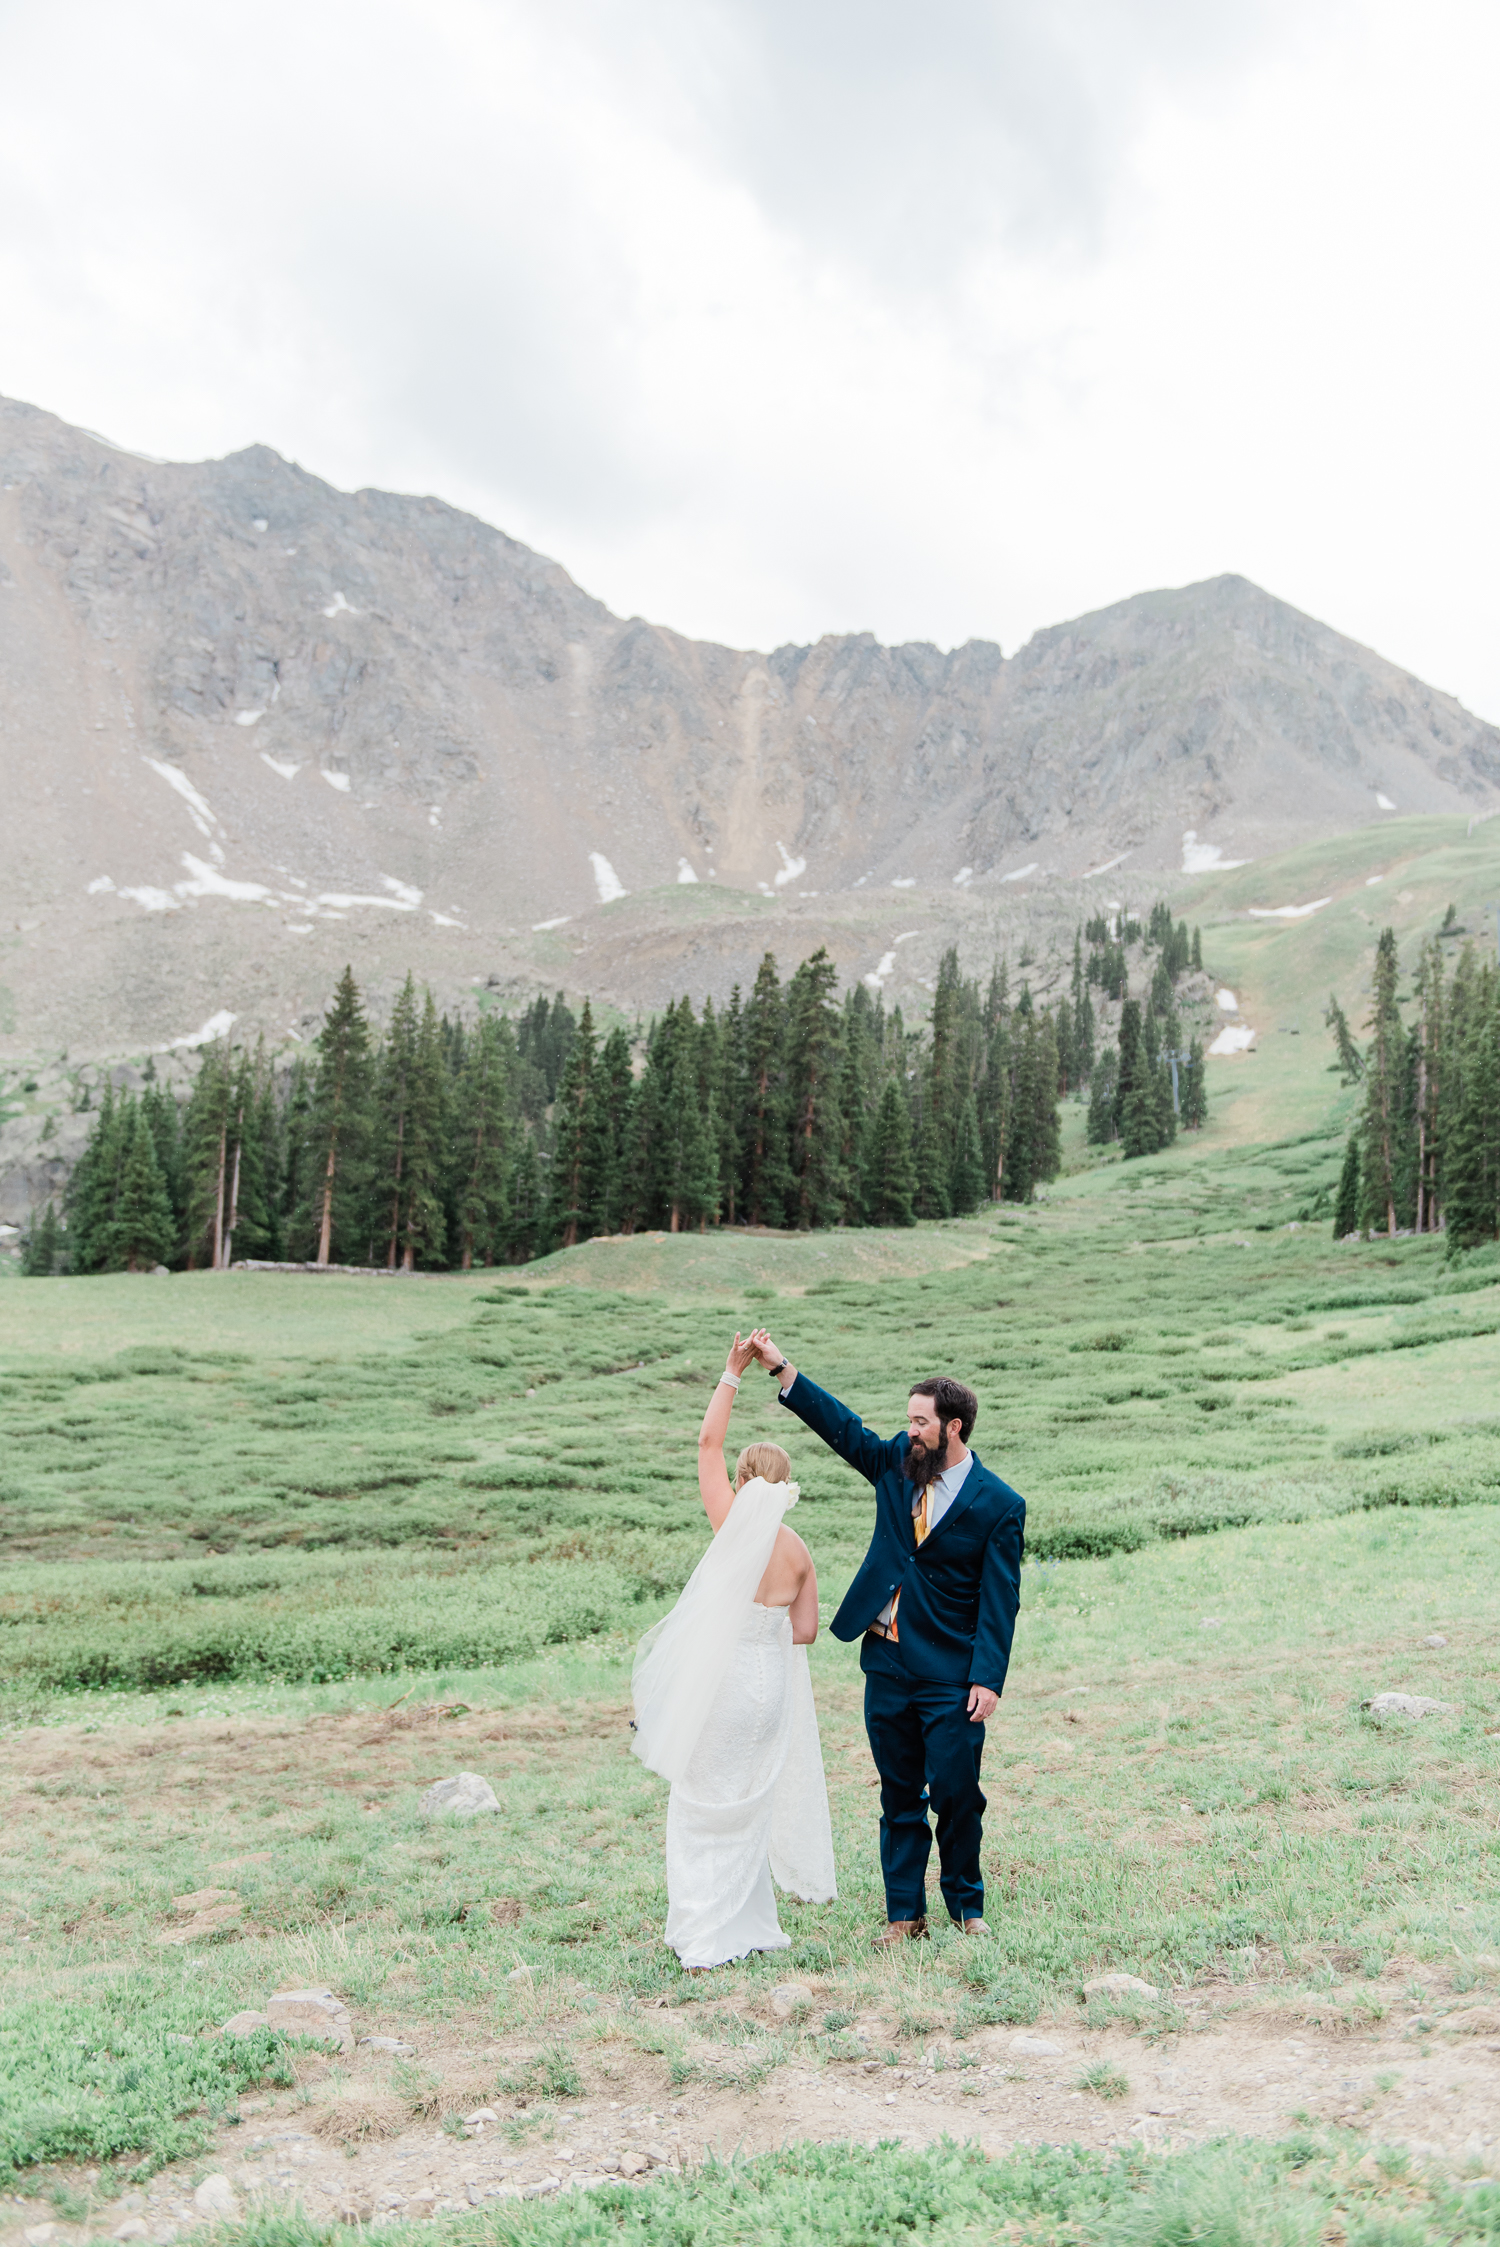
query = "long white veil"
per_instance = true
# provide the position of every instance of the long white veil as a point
(683, 1660)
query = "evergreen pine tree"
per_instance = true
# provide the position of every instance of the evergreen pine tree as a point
(729, 1106)
(968, 1183)
(859, 1098)
(247, 1225)
(270, 1140)
(574, 1120)
(140, 1232)
(814, 1065)
(1034, 1153)
(1159, 1037)
(1380, 1125)
(932, 1171)
(394, 1087)
(1101, 1128)
(40, 1259)
(611, 1106)
(686, 1163)
(1083, 1039)
(1134, 1105)
(332, 1218)
(766, 1177)
(423, 1225)
(526, 1212)
(995, 1088)
(208, 1157)
(91, 1191)
(296, 1155)
(1194, 1088)
(1471, 1133)
(1197, 953)
(160, 1109)
(1346, 1200)
(1067, 1054)
(891, 1174)
(943, 1071)
(1350, 1063)
(1431, 1043)
(482, 1147)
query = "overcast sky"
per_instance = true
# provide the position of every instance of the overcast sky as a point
(772, 319)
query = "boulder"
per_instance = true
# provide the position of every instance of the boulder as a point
(311, 2013)
(217, 2197)
(134, 2227)
(1409, 1704)
(1120, 1985)
(465, 1795)
(244, 2024)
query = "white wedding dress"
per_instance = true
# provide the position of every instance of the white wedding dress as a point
(724, 1709)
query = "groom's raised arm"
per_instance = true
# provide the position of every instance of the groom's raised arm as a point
(842, 1430)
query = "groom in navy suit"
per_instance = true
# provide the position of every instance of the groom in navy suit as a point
(934, 1605)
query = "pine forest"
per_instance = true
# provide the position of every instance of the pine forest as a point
(445, 1144)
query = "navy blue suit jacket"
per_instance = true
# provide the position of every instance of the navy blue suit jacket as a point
(961, 1588)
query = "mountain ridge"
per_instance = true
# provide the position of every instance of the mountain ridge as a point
(251, 726)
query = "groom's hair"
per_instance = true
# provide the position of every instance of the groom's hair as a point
(950, 1401)
(767, 1460)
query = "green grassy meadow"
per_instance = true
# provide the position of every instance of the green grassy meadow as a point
(280, 1550)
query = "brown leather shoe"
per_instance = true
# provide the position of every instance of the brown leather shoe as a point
(975, 1927)
(901, 1931)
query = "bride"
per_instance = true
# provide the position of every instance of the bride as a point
(724, 1709)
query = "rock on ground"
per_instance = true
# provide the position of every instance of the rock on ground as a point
(1409, 1704)
(464, 1796)
(245, 2024)
(1120, 1985)
(311, 2013)
(216, 2196)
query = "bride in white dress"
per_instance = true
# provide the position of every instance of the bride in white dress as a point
(724, 1709)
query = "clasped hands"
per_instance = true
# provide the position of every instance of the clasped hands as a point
(757, 1345)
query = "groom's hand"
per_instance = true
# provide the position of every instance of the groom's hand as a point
(982, 1703)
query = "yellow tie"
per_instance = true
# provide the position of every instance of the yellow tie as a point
(919, 1524)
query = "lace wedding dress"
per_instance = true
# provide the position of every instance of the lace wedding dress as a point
(724, 1709)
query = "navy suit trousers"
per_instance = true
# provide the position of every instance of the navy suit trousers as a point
(927, 1754)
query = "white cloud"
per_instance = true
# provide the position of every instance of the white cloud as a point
(1103, 285)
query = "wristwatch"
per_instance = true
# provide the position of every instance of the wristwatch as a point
(780, 1367)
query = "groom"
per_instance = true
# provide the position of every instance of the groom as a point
(934, 1605)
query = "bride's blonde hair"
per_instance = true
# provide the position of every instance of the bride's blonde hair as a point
(767, 1460)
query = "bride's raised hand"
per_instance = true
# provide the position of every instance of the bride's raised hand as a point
(741, 1353)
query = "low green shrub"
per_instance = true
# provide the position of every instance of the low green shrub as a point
(132, 2068)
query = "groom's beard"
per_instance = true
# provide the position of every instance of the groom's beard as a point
(922, 1464)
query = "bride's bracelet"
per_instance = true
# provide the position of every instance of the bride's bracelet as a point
(728, 1380)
